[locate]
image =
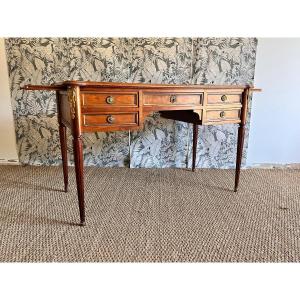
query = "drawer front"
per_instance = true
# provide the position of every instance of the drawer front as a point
(173, 99)
(128, 119)
(109, 99)
(223, 98)
(223, 115)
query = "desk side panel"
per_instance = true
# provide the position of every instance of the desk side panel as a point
(64, 109)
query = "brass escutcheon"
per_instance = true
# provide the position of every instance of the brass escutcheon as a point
(222, 114)
(110, 100)
(110, 119)
(224, 98)
(173, 99)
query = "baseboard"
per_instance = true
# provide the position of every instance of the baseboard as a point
(4, 161)
(254, 166)
(274, 166)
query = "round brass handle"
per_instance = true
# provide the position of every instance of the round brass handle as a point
(224, 98)
(110, 119)
(173, 99)
(222, 114)
(110, 100)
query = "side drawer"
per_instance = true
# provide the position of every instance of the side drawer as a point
(172, 99)
(223, 115)
(102, 120)
(223, 98)
(108, 99)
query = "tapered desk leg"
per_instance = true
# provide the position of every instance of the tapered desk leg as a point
(78, 158)
(240, 144)
(64, 155)
(195, 142)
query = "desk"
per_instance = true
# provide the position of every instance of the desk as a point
(107, 106)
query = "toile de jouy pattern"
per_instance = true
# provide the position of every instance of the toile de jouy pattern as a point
(162, 143)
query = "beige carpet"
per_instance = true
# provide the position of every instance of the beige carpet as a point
(150, 215)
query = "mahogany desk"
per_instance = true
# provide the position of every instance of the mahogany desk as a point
(106, 106)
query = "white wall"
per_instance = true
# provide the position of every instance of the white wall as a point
(275, 122)
(7, 132)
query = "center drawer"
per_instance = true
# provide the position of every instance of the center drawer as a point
(172, 99)
(128, 119)
(109, 99)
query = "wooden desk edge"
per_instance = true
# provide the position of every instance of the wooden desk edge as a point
(64, 86)
(33, 87)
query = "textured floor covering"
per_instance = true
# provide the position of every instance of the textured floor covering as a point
(145, 215)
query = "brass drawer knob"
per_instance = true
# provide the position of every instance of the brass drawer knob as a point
(222, 114)
(110, 100)
(173, 99)
(110, 119)
(224, 98)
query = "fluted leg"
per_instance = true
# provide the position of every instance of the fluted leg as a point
(78, 158)
(239, 155)
(64, 154)
(195, 143)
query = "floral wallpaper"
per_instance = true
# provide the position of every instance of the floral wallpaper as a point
(162, 143)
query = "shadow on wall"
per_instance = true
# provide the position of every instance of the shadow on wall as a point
(162, 143)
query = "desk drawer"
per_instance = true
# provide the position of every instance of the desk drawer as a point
(111, 119)
(223, 98)
(173, 99)
(108, 99)
(223, 115)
